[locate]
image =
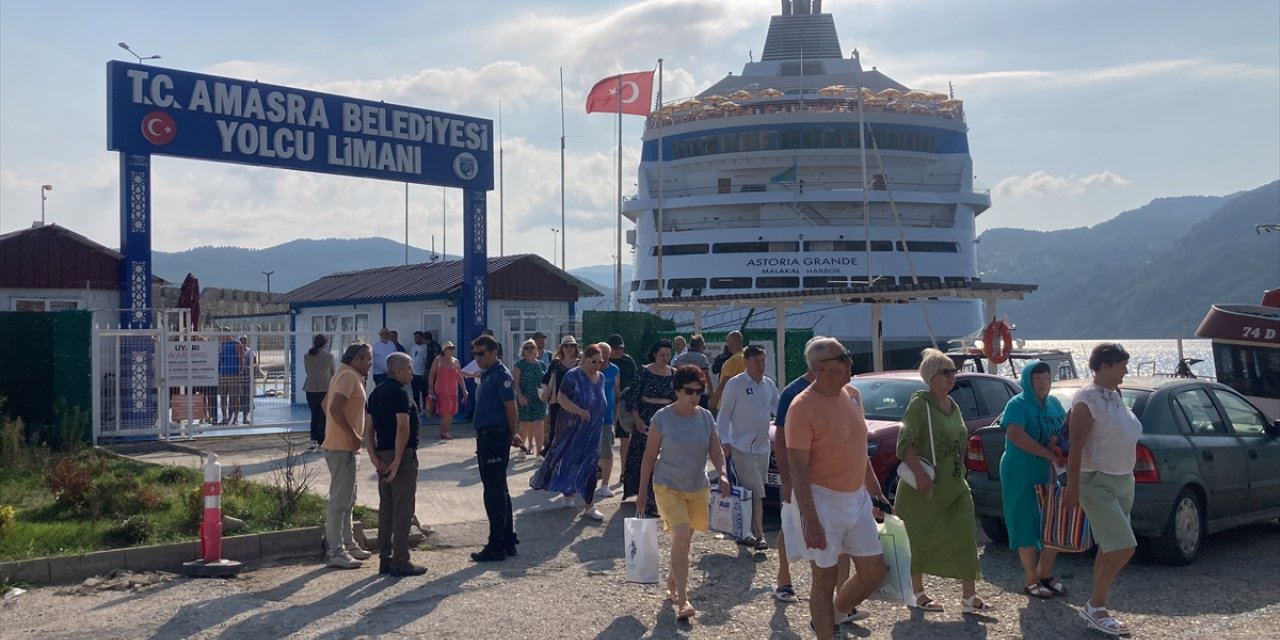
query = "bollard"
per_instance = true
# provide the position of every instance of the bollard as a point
(211, 527)
(211, 564)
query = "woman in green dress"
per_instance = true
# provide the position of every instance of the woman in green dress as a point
(938, 512)
(527, 376)
(1031, 423)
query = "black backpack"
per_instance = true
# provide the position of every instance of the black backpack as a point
(719, 362)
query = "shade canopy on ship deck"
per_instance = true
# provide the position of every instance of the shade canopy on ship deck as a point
(876, 295)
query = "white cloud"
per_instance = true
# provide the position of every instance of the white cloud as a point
(1041, 183)
(1023, 79)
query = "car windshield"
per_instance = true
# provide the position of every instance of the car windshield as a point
(886, 399)
(1129, 396)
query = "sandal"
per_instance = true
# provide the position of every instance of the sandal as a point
(925, 603)
(1038, 590)
(761, 544)
(1051, 583)
(1099, 619)
(974, 604)
(785, 593)
(686, 611)
(748, 541)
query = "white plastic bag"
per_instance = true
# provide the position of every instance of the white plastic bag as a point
(897, 561)
(641, 538)
(793, 532)
(731, 514)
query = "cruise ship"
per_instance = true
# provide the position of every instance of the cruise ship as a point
(809, 171)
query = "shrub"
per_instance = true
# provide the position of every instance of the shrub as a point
(70, 477)
(12, 442)
(114, 494)
(6, 516)
(175, 475)
(150, 500)
(131, 531)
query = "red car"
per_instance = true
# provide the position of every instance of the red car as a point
(980, 396)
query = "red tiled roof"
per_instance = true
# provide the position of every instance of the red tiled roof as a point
(523, 276)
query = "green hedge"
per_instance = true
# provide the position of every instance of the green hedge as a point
(638, 330)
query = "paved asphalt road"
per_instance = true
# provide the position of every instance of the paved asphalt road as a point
(568, 582)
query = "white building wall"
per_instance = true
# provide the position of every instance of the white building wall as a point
(103, 302)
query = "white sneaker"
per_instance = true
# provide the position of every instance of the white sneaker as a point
(604, 492)
(593, 513)
(520, 455)
(568, 502)
(343, 560)
(357, 552)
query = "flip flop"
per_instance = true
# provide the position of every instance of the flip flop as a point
(785, 593)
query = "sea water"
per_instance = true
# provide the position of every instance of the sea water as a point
(1143, 354)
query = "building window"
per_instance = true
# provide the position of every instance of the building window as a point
(342, 329)
(669, 250)
(731, 283)
(41, 304)
(520, 325)
(778, 282)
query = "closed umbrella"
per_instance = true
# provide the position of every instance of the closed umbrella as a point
(189, 298)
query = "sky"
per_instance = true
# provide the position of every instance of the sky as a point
(1077, 110)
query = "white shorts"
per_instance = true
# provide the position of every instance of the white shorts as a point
(851, 529)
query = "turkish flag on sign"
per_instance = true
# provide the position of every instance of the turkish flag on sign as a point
(637, 94)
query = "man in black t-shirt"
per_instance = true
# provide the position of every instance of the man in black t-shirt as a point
(392, 444)
(626, 373)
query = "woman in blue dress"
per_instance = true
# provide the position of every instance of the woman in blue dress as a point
(570, 465)
(1031, 421)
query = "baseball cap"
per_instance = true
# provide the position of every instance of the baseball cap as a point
(615, 341)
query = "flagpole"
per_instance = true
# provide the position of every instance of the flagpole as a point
(862, 149)
(502, 186)
(617, 259)
(661, 184)
(563, 230)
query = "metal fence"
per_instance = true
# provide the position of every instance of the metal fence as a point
(167, 383)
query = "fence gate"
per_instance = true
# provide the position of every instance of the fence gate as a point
(162, 383)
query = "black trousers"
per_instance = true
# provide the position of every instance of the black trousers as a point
(395, 508)
(493, 451)
(314, 400)
(419, 391)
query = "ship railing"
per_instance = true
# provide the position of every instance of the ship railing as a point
(682, 112)
(799, 187)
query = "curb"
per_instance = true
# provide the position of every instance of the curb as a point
(165, 557)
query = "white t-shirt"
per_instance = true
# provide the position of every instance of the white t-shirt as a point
(419, 354)
(745, 409)
(1112, 445)
(380, 352)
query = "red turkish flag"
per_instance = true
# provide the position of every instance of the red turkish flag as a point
(637, 94)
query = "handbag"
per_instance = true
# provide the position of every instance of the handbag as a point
(905, 473)
(1066, 530)
(731, 514)
(897, 562)
(547, 391)
(640, 537)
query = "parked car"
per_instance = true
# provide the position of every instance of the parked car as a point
(980, 396)
(1208, 460)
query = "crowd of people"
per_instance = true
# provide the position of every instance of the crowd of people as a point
(670, 420)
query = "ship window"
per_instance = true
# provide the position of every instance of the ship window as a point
(922, 246)
(686, 283)
(847, 245)
(755, 247)
(824, 282)
(924, 280)
(650, 285)
(635, 285)
(778, 282)
(955, 279)
(749, 141)
(729, 143)
(731, 283)
(1248, 369)
(681, 250)
(832, 139)
(791, 139)
(768, 140)
(711, 145)
(812, 139)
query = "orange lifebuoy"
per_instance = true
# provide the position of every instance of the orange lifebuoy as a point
(997, 328)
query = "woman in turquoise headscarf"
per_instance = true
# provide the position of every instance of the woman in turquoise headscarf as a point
(1031, 423)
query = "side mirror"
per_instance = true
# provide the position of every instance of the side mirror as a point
(1272, 429)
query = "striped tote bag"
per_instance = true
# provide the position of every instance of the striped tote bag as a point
(1066, 530)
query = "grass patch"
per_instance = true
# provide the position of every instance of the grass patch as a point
(128, 503)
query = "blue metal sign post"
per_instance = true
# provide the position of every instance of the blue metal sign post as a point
(158, 111)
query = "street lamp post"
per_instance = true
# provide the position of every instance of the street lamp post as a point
(125, 46)
(268, 275)
(43, 197)
(555, 239)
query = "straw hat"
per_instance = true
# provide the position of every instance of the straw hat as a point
(448, 344)
(568, 340)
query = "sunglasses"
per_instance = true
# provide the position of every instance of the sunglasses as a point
(844, 357)
(691, 391)
(528, 348)
(595, 361)
(950, 373)
(479, 354)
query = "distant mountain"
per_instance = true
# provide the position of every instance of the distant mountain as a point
(1147, 273)
(295, 263)
(601, 277)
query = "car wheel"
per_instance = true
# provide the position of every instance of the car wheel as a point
(1180, 543)
(995, 529)
(890, 488)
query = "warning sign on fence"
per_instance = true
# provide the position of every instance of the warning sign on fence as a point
(192, 364)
